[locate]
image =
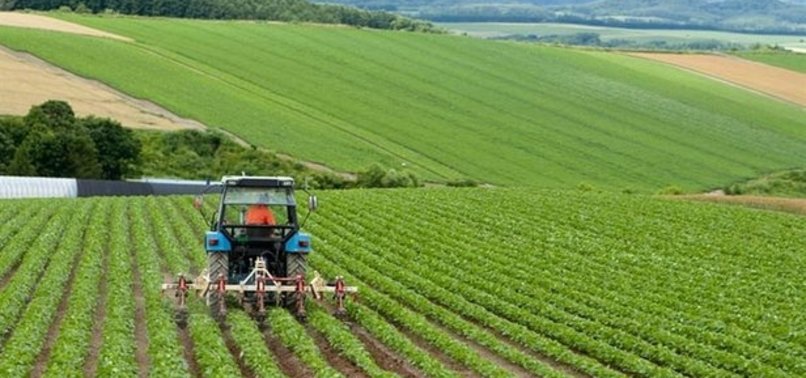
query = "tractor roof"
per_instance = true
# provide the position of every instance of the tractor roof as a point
(259, 181)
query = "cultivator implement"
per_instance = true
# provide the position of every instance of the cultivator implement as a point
(259, 288)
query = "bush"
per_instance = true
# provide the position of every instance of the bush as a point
(82, 8)
(671, 191)
(463, 183)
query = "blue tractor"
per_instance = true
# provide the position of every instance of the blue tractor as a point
(256, 249)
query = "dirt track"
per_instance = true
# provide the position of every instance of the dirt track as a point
(29, 81)
(788, 205)
(777, 82)
(35, 21)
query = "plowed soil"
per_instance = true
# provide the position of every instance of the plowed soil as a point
(35, 21)
(29, 81)
(776, 82)
(787, 205)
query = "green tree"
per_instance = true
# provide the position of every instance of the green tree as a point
(48, 153)
(52, 113)
(117, 148)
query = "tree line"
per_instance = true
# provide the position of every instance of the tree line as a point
(50, 141)
(273, 10)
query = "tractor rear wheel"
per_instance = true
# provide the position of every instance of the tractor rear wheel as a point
(217, 264)
(294, 264)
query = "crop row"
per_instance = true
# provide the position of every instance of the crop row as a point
(340, 337)
(20, 230)
(165, 359)
(16, 294)
(70, 349)
(28, 336)
(457, 304)
(293, 335)
(117, 355)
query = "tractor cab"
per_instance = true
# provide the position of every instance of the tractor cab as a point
(257, 218)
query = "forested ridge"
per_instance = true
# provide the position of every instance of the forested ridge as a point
(273, 10)
(773, 16)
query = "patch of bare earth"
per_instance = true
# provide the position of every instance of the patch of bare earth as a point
(288, 362)
(35, 21)
(773, 81)
(788, 205)
(29, 81)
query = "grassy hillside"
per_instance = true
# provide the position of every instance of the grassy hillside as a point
(444, 106)
(791, 61)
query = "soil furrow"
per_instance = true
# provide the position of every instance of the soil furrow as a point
(236, 353)
(333, 357)
(288, 362)
(140, 329)
(187, 352)
(53, 331)
(386, 358)
(449, 362)
(91, 363)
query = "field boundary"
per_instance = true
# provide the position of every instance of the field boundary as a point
(779, 75)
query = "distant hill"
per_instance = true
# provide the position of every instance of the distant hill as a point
(770, 16)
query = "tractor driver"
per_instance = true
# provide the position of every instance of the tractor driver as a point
(260, 214)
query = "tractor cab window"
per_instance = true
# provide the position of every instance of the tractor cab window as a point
(261, 206)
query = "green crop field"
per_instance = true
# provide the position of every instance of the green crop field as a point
(795, 62)
(473, 282)
(445, 106)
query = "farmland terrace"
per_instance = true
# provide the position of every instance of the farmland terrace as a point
(446, 107)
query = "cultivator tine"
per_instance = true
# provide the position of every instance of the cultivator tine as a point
(181, 297)
(338, 294)
(299, 292)
(221, 291)
(260, 294)
(182, 291)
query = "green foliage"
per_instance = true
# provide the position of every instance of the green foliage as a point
(463, 183)
(293, 335)
(273, 10)
(544, 116)
(781, 184)
(344, 341)
(601, 285)
(50, 141)
(118, 149)
(671, 190)
(377, 177)
(607, 281)
(253, 347)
